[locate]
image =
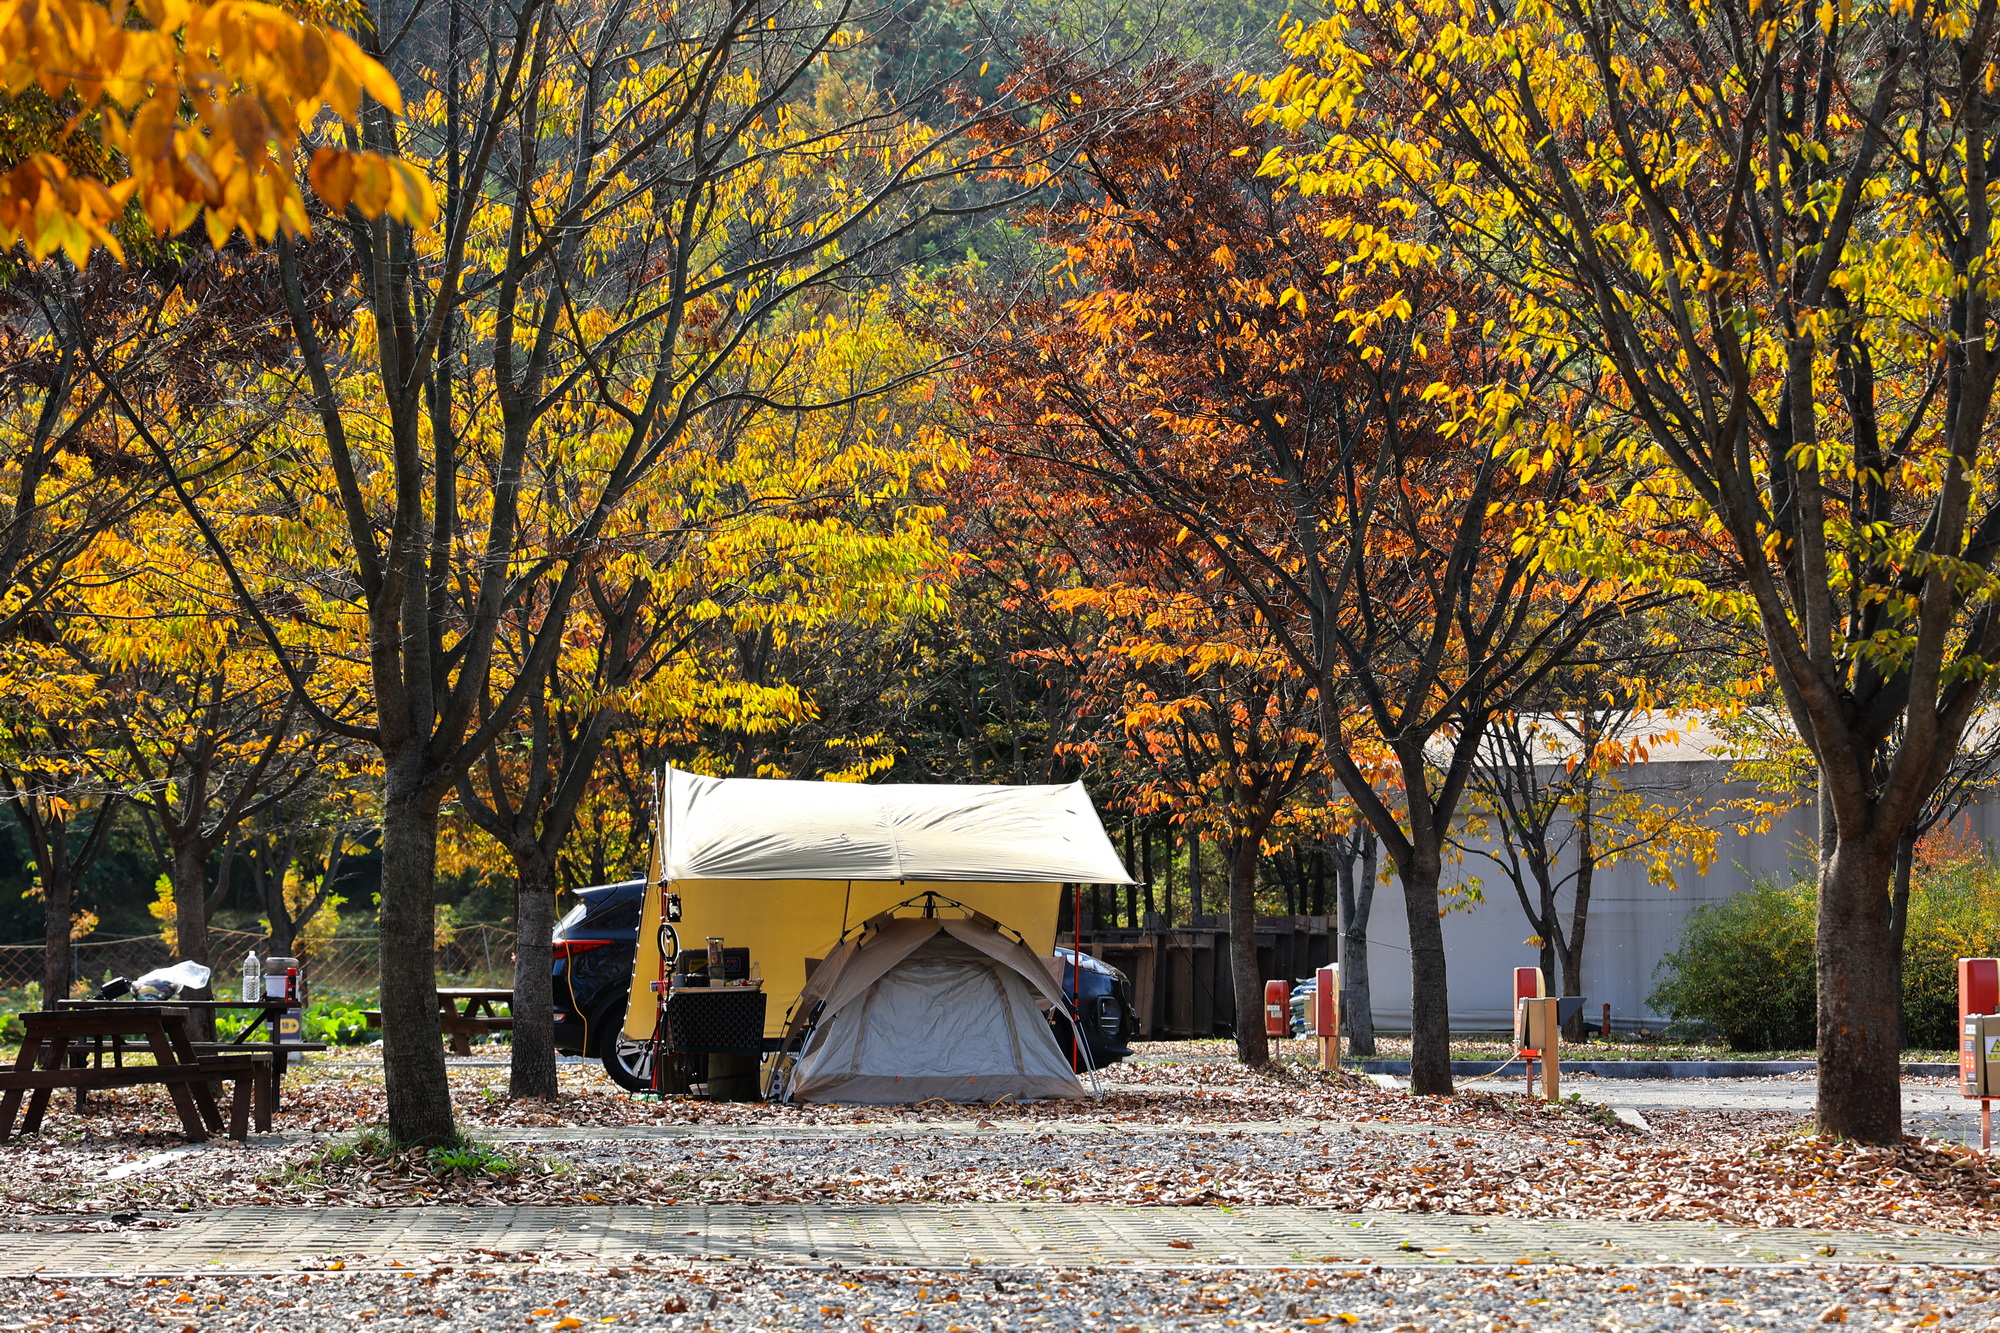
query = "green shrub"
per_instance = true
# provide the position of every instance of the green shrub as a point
(336, 1022)
(1954, 914)
(1744, 967)
(13, 1003)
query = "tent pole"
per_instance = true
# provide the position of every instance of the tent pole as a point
(1076, 981)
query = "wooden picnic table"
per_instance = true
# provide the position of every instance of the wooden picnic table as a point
(54, 1055)
(475, 1018)
(245, 1042)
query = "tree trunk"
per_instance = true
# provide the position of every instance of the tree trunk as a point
(59, 868)
(1860, 1084)
(413, 1067)
(532, 1068)
(1194, 874)
(1246, 984)
(190, 882)
(1356, 901)
(1545, 931)
(1145, 875)
(1131, 890)
(284, 931)
(1430, 1008)
(58, 905)
(1572, 951)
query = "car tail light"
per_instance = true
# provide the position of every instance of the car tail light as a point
(571, 948)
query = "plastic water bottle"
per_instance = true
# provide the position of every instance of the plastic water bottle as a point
(253, 979)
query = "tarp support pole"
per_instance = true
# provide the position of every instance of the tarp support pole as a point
(1076, 983)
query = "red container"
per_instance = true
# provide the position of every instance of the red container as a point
(1978, 987)
(1277, 1009)
(1978, 993)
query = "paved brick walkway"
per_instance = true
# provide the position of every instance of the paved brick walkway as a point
(248, 1240)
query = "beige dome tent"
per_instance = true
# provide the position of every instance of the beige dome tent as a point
(915, 1008)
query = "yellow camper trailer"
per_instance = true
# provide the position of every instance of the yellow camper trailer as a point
(787, 868)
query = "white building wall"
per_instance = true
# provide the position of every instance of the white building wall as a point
(1632, 926)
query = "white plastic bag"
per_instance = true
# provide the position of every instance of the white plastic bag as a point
(165, 981)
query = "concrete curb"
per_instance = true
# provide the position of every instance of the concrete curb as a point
(1651, 1068)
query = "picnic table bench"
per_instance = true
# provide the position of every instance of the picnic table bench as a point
(476, 1018)
(246, 1042)
(57, 1045)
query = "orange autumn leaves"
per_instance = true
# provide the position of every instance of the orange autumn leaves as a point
(1213, 348)
(201, 107)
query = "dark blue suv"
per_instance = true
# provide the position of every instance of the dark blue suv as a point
(595, 944)
(1103, 999)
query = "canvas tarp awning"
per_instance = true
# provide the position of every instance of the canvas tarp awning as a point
(760, 828)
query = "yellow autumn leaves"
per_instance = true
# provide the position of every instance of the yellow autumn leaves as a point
(203, 107)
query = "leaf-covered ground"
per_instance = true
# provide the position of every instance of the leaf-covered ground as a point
(676, 1295)
(1180, 1133)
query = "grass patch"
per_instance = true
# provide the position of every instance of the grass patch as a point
(376, 1154)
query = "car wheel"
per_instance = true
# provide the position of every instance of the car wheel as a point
(630, 1063)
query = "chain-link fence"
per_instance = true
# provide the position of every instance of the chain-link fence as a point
(477, 955)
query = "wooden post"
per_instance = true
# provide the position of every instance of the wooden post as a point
(1604, 1028)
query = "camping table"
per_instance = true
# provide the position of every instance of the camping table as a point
(267, 1012)
(476, 1018)
(50, 1056)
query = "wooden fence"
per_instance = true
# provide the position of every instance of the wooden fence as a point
(1180, 974)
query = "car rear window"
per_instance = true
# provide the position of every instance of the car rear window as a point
(617, 916)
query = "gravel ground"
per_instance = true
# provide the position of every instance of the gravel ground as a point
(708, 1296)
(1356, 1146)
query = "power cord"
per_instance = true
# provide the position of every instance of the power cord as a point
(1512, 1060)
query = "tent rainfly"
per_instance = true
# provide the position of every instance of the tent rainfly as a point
(920, 1008)
(789, 868)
